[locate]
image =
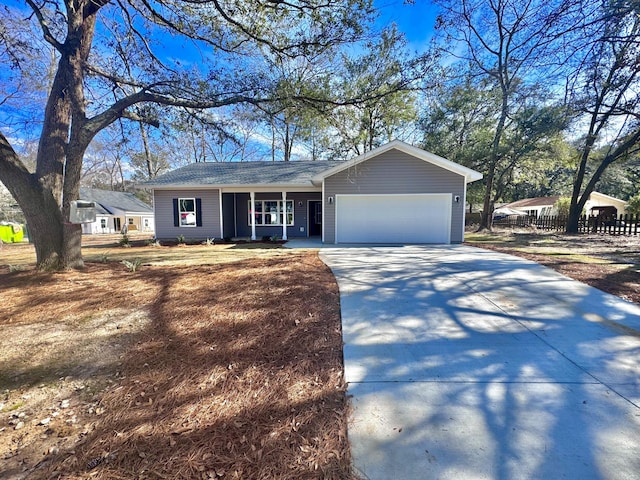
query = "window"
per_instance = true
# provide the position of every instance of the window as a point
(103, 223)
(187, 212)
(272, 212)
(131, 221)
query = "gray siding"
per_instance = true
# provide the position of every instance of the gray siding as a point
(299, 229)
(394, 172)
(163, 204)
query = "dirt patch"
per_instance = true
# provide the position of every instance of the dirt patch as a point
(608, 262)
(230, 370)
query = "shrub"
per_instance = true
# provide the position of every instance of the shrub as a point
(180, 240)
(209, 242)
(124, 240)
(132, 265)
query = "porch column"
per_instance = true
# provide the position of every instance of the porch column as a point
(284, 215)
(253, 215)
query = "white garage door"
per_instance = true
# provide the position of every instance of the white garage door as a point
(424, 218)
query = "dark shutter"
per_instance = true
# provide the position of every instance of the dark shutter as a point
(176, 213)
(198, 212)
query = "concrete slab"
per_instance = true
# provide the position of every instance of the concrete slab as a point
(466, 363)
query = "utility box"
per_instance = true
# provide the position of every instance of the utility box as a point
(11, 232)
(82, 211)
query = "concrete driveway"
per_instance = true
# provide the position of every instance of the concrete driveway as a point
(470, 364)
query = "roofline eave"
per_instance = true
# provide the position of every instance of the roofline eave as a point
(244, 187)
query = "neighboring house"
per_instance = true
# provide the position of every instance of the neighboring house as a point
(115, 210)
(601, 204)
(534, 207)
(598, 204)
(396, 193)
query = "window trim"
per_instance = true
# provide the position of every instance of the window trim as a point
(281, 213)
(181, 211)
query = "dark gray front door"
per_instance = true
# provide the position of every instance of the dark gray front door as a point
(315, 218)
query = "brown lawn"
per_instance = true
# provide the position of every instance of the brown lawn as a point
(226, 370)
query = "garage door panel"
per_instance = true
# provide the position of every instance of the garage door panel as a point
(393, 218)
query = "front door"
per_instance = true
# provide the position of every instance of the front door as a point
(315, 218)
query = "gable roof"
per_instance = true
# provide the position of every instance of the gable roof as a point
(469, 174)
(108, 201)
(550, 201)
(604, 197)
(534, 202)
(220, 174)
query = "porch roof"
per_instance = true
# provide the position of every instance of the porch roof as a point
(242, 174)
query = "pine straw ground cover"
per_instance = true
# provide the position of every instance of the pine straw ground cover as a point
(216, 371)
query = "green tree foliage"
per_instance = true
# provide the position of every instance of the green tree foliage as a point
(460, 125)
(603, 92)
(562, 206)
(634, 204)
(505, 44)
(388, 78)
(289, 120)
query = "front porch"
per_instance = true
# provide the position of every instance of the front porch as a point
(281, 214)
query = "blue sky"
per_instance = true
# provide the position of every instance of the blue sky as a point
(414, 20)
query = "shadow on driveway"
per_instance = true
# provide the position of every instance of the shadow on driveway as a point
(466, 363)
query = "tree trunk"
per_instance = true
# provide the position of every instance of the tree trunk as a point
(573, 219)
(46, 195)
(287, 142)
(38, 204)
(147, 151)
(486, 219)
(44, 223)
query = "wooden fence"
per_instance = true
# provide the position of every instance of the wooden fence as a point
(626, 224)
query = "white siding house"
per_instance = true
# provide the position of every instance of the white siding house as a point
(117, 210)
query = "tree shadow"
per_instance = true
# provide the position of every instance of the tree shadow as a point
(464, 362)
(238, 376)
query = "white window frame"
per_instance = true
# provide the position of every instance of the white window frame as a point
(261, 212)
(186, 212)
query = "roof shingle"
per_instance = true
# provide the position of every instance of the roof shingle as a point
(242, 173)
(107, 200)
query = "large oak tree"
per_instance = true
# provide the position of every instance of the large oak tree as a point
(111, 58)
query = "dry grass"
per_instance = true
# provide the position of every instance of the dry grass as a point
(230, 370)
(608, 262)
(101, 248)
